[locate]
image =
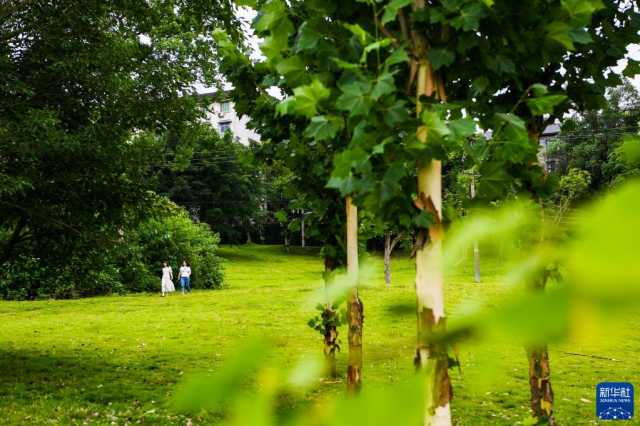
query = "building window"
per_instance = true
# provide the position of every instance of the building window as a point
(223, 126)
(225, 107)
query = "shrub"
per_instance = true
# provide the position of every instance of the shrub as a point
(131, 263)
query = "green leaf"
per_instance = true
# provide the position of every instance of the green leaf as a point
(398, 56)
(479, 85)
(377, 45)
(307, 98)
(384, 85)
(505, 65)
(378, 149)
(293, 69)
(434, 123)
(440, 58)
(512, 119)
(269, 16)
(355, 99)
(345, 65)
(216, 392)
(580, 35)
(544, 104)
(324, 127)
(362, 35)
(391, 181)
(286, 106)
(603, 256)
(581, 10)
(629, 151)
(342, 177)
(396, 114)
(470, 17)
(308, 37)
(462, 128)
(391, 10)
(559, 31)
(290, 65)
(539, 89)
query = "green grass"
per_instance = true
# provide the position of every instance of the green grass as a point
(118, 359)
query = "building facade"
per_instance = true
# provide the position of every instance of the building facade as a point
(223, 117)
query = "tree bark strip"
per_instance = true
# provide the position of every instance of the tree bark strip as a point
(540, 384)
(429, 272)
(355, 309)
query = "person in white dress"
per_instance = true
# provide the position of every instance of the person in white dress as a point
(167, 279)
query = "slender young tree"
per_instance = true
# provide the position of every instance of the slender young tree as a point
(391, 240)
(355, 309)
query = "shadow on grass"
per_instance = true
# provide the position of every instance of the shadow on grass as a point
(402, 309)
(78, 377)
(234, 254)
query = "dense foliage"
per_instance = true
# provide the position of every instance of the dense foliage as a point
(130, 263)
(81, 82)
(215, 178)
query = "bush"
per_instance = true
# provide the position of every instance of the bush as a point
(171, 238)
(131, 263)
(28, 277)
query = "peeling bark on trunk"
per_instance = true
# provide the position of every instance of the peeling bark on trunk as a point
(355, 319)
(355, 309)
(330, 330)
(429, 270)
(540, 385)
(541, 400)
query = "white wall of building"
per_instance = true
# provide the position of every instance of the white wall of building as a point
(222, 115)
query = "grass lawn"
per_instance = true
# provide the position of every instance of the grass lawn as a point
(113, 360)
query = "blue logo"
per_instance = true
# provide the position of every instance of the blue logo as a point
(614, 401)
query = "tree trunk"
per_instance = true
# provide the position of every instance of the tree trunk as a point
(329, 316)
(302, 231)
(476, 262)
(539, 368)
(540, 385)
(355, 309)
(387, 258)
(389, 244)
(429, 269)
(249, 237)
(286, 240)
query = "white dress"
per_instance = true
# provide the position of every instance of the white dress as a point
(167, 284)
